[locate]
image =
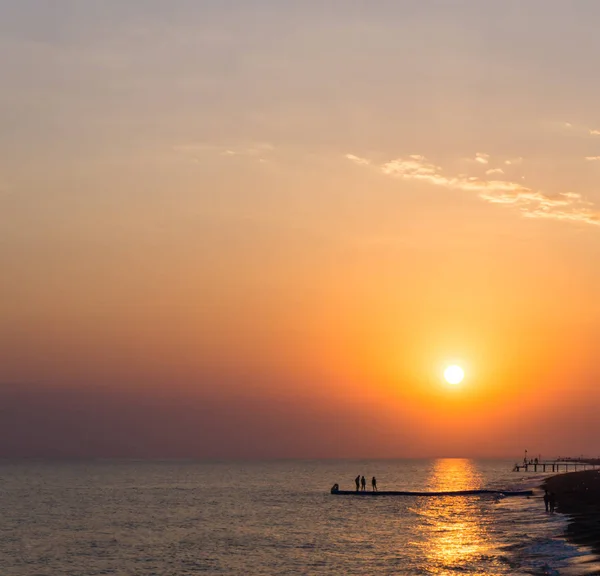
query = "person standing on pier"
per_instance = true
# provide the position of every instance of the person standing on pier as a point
(374, 484)
(357, 482)
(363, 484)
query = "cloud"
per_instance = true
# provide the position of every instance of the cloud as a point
(592, 158)
(574, 130)
(482, 158)
(513, 161)
(495, 171)
(257, 150)
(357, 160)
(531, 203)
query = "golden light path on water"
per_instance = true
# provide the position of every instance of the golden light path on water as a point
(454, 534)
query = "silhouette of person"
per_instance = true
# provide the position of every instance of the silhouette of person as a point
(552, 502)
(546, 499)
(374, 484)
(363, 483)
(357, 482)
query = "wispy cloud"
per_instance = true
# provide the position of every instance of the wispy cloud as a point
(494, 171)
(579, 129)
(482, 158)
(513, 161)
(256, 150)
(358, 160)
(592, 158)
(531, 203)
(573, 130)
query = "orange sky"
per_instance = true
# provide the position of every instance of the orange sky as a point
(250, 230)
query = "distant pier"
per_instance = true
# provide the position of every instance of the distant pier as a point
(557, 465)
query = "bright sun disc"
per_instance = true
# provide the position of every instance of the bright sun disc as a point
(454, 374)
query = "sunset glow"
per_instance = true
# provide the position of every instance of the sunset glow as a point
(261, 229)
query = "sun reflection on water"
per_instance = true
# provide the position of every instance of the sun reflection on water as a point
(454, 474)
(453, 531)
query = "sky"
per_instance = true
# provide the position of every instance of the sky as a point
(263, 229)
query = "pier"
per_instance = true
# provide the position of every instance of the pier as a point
(481, 492)
(557, 465)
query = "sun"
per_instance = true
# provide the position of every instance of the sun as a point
(454, 374)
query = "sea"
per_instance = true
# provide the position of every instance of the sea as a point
(275, 517)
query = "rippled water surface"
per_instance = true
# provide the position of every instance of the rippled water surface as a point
(271, 518)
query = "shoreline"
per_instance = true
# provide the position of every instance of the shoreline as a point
(578, 497)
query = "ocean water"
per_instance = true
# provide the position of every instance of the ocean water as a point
(273, 518)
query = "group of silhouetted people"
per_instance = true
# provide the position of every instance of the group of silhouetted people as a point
(549, 501)
(361, 483)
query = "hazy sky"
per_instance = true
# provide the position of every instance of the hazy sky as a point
(258, 228)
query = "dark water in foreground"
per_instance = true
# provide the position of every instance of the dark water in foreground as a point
(272, 518)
